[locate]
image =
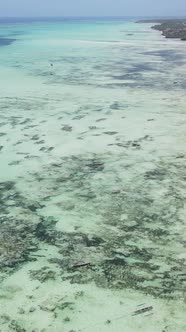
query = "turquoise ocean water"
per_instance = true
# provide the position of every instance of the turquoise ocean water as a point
(92, 176)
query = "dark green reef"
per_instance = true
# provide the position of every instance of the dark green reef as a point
(6, 41)
(134, 248)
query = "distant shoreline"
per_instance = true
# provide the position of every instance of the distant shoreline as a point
(170, 28)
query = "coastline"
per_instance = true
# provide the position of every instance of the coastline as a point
(170, 28)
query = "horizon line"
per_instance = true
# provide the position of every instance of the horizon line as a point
(94, 16)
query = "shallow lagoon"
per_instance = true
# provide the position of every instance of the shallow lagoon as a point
(92, 178)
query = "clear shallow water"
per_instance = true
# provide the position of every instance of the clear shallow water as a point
(92, 177)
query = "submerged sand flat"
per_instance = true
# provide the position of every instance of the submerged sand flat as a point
(92, 178)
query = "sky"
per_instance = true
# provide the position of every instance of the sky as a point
(32, 8)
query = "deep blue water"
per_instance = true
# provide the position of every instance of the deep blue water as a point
(14, 20)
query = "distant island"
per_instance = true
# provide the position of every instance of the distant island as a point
(170, 28)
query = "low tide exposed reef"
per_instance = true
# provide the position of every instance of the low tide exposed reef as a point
(170, 28)
(18, 225)
(136, 242)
